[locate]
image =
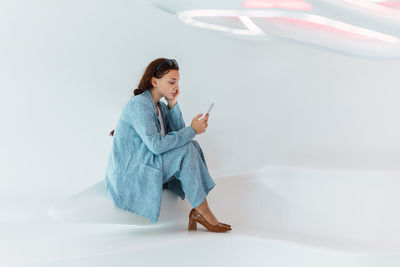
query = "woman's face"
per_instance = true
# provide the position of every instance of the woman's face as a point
(168, 85)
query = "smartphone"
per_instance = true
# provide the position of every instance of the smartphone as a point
(208, 111)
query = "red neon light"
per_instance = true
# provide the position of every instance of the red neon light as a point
(390, 4)
(284, 4)
(319, 26)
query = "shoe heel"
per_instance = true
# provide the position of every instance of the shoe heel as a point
(192, 224)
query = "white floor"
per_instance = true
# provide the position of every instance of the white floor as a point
(279, 216)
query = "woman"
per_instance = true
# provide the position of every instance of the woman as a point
(152, 149)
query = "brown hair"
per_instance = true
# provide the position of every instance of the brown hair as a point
(145, 81)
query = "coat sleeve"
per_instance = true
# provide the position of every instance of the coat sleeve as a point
(175, 119)
(144, 123)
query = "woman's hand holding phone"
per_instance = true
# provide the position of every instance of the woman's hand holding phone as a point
(200, 126)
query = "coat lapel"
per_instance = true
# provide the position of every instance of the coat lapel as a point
(148, 96)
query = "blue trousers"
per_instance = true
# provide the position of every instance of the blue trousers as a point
(187, 164)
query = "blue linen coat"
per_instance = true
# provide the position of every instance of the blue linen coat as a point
(134, 178)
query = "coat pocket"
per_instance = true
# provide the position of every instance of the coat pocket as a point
(149, 169)
(149, 180)
(148, 174)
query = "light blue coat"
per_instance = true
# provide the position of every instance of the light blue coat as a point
(134, 178)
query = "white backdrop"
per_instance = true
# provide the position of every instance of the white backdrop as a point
(68, 67)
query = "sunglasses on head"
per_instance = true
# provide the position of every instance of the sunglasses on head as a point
(170, 62)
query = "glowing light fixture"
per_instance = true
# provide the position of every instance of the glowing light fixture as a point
(368, 28)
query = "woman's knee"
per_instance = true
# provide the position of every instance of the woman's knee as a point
(187, 147)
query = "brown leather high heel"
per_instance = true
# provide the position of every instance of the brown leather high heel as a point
(196, 217)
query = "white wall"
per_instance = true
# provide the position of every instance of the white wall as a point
(68, 67)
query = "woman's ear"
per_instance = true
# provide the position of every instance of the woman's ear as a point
(154, 82)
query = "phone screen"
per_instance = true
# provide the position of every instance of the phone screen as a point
(209, 109)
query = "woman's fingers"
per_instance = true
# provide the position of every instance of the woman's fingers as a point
(205, 117)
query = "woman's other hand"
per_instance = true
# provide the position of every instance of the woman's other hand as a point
(172, 101)
(200, 126)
